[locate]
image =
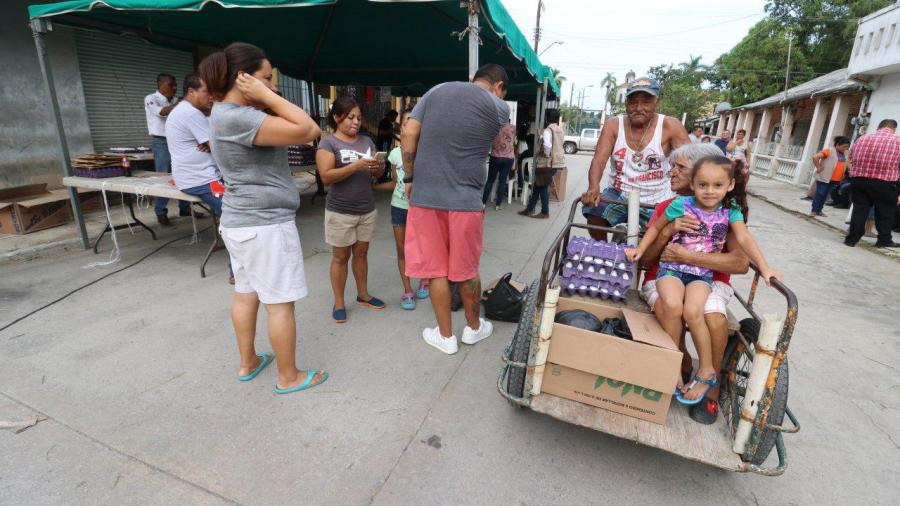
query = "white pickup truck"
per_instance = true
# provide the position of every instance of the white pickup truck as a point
(587, 141)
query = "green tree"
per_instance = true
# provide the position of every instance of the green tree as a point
(609, 83)
(755, 68)
(558, 77)
(569, 115)
(823, 30)
(684, 89)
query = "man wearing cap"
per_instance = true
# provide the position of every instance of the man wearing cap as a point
(639, 143)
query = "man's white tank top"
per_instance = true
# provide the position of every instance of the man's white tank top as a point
(647, 171)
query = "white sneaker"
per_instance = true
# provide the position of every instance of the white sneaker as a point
(471, 336)
(433, 337)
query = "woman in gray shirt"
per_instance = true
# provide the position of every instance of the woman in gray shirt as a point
(259, 205)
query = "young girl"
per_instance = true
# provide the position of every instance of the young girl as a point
(399, 208)
(719, 208)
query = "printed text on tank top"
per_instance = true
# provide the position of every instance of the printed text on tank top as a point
(646, 170)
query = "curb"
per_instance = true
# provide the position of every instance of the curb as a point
(821, 223)
(40, 251)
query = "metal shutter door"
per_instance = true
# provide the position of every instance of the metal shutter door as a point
(117, 72)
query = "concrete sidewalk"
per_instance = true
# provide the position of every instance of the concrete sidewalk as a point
(787, 197)
(136, 374)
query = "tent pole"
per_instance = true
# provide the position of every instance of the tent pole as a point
(473, 38)
(314, 112)
(542, 106)
(39, 27)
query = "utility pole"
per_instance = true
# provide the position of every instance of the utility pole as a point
(537, 26)
(787, 77)
(787, 72)
(571, 94)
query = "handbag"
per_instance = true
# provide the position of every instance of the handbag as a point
(503, 302)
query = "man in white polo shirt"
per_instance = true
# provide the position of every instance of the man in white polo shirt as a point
(187, 133)
(157, 107)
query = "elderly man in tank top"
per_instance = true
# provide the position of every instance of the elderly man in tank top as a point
(639, 143)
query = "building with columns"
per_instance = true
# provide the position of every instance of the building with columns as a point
(787, 129)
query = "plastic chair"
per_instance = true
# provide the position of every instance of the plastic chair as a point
(512, 186)
(527, 178)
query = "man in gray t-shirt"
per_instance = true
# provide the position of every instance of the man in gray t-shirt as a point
(445, 144)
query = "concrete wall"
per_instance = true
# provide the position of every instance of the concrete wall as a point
(885, 101)
(28, 145)
(876, 49)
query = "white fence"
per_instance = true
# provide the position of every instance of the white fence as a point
(781, 162)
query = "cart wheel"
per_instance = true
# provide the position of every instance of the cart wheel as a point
(521, 341)
(735, 372)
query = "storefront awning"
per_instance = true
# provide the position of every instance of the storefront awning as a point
(372, 42)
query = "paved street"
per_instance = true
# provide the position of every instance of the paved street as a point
(136, 375)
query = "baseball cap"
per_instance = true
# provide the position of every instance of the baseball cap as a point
(644, 84)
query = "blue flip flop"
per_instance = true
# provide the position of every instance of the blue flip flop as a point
(266, 360)
(307, 383)
(710, 383)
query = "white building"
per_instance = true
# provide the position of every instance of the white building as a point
(622, 88)
(876, 59)
(787, 129)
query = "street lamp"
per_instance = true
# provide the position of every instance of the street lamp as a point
(560, 42)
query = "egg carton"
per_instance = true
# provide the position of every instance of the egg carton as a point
(593, 288)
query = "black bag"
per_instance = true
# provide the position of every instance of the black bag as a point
(503, 302)
(579, 318)
(456, 301)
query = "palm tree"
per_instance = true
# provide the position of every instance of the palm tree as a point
(609, 82)
(559, 78)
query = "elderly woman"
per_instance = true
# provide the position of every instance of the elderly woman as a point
(731, 261)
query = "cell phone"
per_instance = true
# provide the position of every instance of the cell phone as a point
(381, 156)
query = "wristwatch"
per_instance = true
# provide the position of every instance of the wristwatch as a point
(407, 179)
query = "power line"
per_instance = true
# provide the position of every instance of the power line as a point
(652, 36)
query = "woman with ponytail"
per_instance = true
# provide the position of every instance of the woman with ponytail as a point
(346, 161)
(260, 202)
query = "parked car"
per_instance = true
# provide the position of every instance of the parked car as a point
(587, 141)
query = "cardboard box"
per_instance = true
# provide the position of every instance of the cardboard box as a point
(29, 208)
(91, 200)
(557, 188)
(635, 378)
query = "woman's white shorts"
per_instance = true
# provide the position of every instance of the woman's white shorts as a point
(267, 260)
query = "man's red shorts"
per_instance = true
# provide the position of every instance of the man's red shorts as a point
(443, 243)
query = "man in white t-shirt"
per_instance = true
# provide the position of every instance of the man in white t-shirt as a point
(696, 135)
(157, 107)
(187, 133)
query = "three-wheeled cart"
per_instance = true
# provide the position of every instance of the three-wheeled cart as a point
(709, 444)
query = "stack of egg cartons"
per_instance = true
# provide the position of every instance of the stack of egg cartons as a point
(596, 269)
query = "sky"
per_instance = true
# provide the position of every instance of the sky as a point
(600, 36)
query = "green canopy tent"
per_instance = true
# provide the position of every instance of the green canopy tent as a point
(375, 42)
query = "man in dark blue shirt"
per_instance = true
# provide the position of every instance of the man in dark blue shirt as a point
(723, 141)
